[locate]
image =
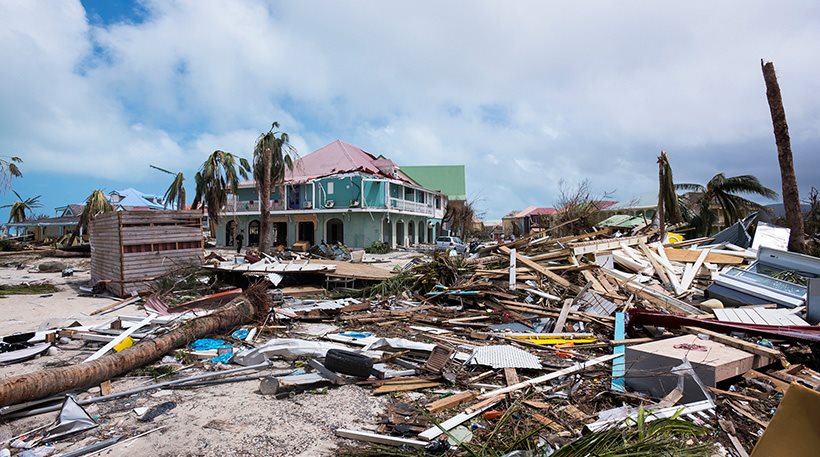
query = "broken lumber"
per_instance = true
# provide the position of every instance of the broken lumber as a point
(448, 402)
(540, 269)
(52, 381)
(371, 437)
(547, 377)
(736, 343)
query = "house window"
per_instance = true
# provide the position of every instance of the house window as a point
(330, 188)
(438, 202)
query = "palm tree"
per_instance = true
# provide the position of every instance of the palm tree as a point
(271, 156)
(218, 176)
(9, 170)
(22, 209)
(669, 208)
(791, 195)
(724, 192)
(176, 191)
(97, 203)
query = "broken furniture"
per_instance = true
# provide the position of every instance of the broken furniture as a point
(649, 365)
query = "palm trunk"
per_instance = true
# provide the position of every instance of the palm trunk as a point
(791, 196)
(264, 204)
(44, 383)
(181, 199)
(661, 189)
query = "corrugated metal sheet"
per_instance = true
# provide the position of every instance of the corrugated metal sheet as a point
(504, 356)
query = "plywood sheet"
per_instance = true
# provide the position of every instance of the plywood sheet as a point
(691, 256)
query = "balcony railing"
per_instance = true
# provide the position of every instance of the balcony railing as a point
(245, 206)
(411, 207)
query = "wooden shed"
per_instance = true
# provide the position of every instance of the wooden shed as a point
(130, 249)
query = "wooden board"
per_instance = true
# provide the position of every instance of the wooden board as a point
(759, 316)
(691, 255)
(448, 402)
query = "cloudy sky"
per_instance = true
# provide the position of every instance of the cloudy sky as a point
(525, 94)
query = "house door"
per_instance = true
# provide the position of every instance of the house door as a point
(306, 232)
(280, 233)
(335, 231)
(230, 233)
(253, 233)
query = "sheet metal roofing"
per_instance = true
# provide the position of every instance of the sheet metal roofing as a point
(340, 157)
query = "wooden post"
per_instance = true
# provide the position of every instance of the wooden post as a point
(791, 196)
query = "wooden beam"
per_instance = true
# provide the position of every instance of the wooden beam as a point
(405, 387)
(511, 376)
(380, 439)
(540, 269)
(547, 377)
(689, 276)
(448, 402)
(122, 336)
(736, 342)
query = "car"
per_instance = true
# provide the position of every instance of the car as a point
(445, 243)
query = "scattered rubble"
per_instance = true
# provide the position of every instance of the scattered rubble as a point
(586, 344)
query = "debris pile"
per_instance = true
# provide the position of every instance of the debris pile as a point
(589, 344)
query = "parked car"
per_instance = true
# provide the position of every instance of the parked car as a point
(445, 243)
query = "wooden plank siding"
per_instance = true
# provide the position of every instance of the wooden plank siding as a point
(130, 249)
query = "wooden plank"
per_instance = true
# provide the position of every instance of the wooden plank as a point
(432, 432)
(116, 304)
(379, 439)
(691, 255)
(736, 342)
(540, 269)
(659, 269)
(448, 402)
(689, 276)
(387, 388)
(547, 377)
(549, 423)
(122, 336)
(779, 385)
(511, 376)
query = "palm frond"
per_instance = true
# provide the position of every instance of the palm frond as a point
(747, 184)
(97, 203)
(690, 187)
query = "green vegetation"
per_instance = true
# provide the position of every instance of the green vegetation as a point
(217, 177)
(641, 437)
(723, 194)
(22, 209)
(27, 289)
(377, 247)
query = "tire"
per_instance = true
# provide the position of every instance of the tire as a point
(349, 363)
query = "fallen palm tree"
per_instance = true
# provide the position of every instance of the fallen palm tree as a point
(43, 383)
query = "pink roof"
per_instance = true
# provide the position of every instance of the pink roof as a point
(535, 211)
(340, 157)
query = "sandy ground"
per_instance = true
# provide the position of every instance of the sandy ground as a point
(227, 419)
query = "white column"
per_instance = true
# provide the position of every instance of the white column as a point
(393, 233)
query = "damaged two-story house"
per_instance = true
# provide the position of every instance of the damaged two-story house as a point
(338, 194)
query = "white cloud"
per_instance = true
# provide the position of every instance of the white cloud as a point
(524, 94)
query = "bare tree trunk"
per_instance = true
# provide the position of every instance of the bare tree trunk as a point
(791, 196)
(661, 218)
(181, 202)
(265, 242)
(43, 383)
